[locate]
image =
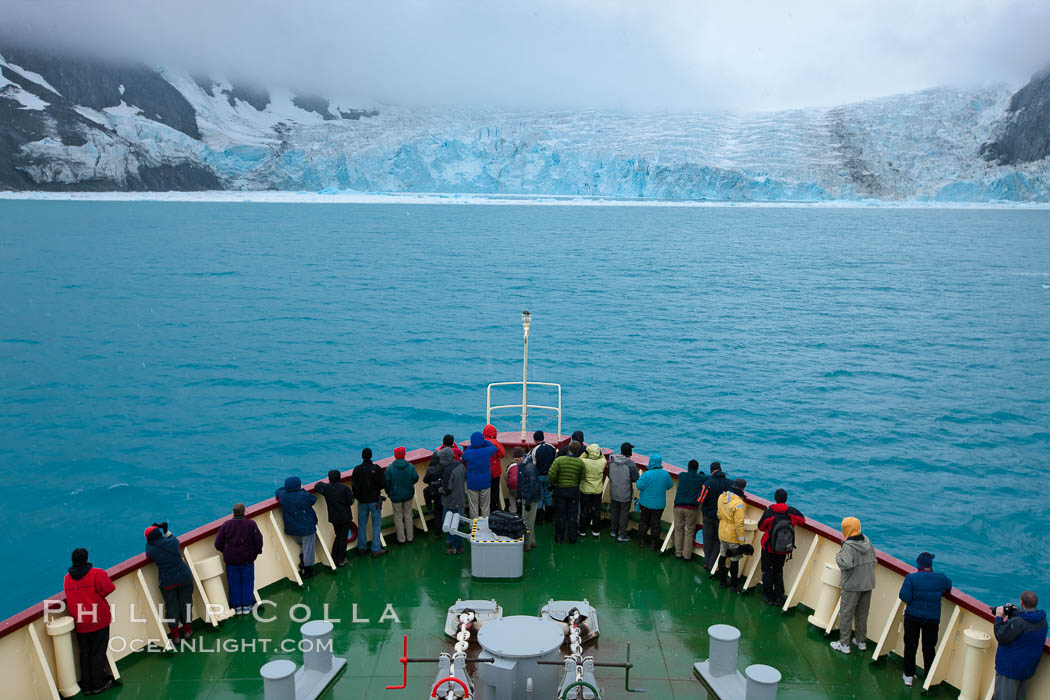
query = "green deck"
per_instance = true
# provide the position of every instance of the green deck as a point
(661, 604)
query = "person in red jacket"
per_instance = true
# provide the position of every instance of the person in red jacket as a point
(86, 590)
(773, 556)
(495, 468)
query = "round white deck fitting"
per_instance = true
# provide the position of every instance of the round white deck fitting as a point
(724, 642)
(976, 642)
(317, 645)
(762, 682)
(60, 630)
(278, 680)
(521, 637)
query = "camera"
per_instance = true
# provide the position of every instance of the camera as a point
(1009, 610)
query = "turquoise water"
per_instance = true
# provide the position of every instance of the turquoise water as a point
(164, 360)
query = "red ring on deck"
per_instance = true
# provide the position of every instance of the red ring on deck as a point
(466, 691)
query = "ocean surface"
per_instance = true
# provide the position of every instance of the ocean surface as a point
(163, 360)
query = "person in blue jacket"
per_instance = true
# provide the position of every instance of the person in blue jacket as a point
(653, 486)
(1021, 636)
(477, 457)
(300, 520)
(174, 578)
(922, 591)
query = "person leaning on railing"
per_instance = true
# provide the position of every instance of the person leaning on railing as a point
(1021, 635)
(174, 578)
(685, 509)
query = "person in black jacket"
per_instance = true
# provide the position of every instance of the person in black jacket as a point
(340, 500)
(543, 456)
(432, 491)
(717, 484)
(772, 559)
(368, 483)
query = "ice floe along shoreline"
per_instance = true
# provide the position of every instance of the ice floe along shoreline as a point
(292, 197)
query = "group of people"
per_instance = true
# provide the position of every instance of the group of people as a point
(564, 487)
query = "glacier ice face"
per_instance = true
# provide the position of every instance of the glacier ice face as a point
(924, 146)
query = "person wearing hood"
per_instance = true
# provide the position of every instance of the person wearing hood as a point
(478, 458)
(174, 579)
(530, 495)
(774, 554)
(543, 456)
(495, 467)
(653, 486)
(339, 500)
(717, 484)
(565, 476)
(922, 591)
(1021, 636)
(731, 534)
(86, 589)
(240, 542)
(453, 492)
(622, 473)
(300, 520)
(591, 490)
(401, 478)
(856, 560)
(685, 509)
(368, 483)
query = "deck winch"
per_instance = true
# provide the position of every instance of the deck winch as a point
(521, 655)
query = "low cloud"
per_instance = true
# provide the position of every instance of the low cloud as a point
(564, 54)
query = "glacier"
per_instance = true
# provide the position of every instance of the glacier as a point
(919, 147)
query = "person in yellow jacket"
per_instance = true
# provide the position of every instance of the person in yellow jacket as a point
(591, 490)
(731, 537)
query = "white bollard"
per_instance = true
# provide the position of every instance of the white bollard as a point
(60, 629)
(762, 682)
(976, 643)
(210, 571)
(831, 582)
(725, 640)
(317, 645)
(278, 680)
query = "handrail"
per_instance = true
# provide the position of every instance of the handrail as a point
(523, 406)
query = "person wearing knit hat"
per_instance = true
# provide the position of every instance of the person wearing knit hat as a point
(856, 560)
(401, 478)
(922, 591)
(174, 578)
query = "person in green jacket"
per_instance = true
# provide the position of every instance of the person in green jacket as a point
(401, 477)
(565, 476)
(653, 486)
(685, 510)
(591, 490)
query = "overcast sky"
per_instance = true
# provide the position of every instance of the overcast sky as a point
(622, 54)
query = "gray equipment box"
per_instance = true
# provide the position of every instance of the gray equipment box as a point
(491, 555)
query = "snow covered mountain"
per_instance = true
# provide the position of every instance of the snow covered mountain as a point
(76, 124)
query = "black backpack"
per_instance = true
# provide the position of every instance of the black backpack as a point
(506, 524)
(782, 535)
